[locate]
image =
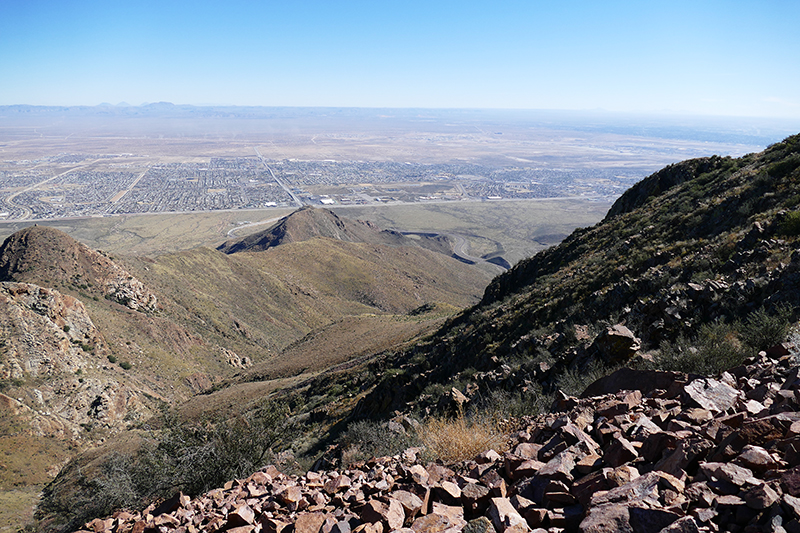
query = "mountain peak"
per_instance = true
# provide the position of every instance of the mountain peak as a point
(310, 222)
(47, 256)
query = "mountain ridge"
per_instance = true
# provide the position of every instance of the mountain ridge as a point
(310, 222)
(701, 241)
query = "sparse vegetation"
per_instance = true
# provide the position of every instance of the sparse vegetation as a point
(190, 457)
(367, 438)
(762, 330)
(791, 224)
(714, 349)
(461, 438)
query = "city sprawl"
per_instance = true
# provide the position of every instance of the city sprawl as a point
(76, 185)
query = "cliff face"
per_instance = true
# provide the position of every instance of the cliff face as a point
(53, 351)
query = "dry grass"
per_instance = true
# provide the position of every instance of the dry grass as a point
(460, 438)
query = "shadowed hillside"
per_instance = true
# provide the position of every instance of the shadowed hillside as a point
(308, 223)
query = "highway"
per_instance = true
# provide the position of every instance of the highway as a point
(279, 182)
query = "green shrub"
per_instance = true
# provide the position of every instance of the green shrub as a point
(574, 382)
(190, 457)
(518, 403)
(762, 330)
(715, 349)
(112, 359)
(791, 224)
(126, 365)
(367, 438)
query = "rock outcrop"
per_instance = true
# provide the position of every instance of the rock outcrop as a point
(48, 337)
(44, 332)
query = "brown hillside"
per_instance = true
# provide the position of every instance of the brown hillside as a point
(49, 257)
(309, 223)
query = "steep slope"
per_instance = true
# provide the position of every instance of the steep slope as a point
(309, 223)
(697, 243)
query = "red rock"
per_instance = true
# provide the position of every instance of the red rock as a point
(419, 474)
(391, 514)
(757, 459)
(412, 504)
(526, 469)
(738, 475)
(687, 452)
(619, 452)
(241, 529)
(646, 520)
(448, 492)
(242, 516)
(453, 512)
(495, 483)
(487, 457)
(760, 497)
(712, 395)
(527, 450)
(431, 523)
(584, 488)
(607, 518)
(290, 495)
(762, 430)
(272, 525)
(337, 484)
(792, 504)
(309, 522)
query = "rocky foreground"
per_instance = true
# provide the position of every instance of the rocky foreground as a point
(642, 451)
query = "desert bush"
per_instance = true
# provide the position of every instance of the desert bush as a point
(791, 224)
(762, 330)
(574, 382)
(367, 438)
(190, 457)
(461, 438)
(518, 403)
(716, 348)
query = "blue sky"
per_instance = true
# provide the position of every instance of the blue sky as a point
(739, 58)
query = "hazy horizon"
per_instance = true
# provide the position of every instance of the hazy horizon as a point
(737, 59)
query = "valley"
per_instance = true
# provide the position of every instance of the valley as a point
(167, 281)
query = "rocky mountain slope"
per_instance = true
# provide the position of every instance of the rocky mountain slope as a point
(693, 268)
(700, 243)
(93, 345)
(641, 452)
